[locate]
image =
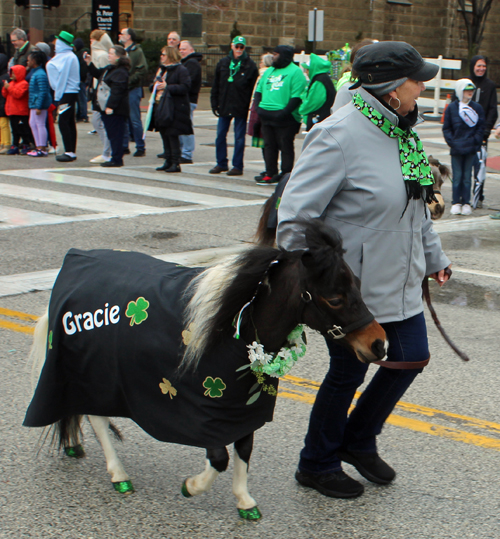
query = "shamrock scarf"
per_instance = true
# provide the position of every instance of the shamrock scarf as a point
(414, 163)
(234, 66)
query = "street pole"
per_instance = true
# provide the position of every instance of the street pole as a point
(314, 30)
(36, 21)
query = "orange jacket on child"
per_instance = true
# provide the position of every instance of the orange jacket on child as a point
(17, 94)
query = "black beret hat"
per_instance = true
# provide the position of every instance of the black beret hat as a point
(391, 60)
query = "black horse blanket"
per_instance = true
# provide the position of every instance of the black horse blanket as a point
(116, 338)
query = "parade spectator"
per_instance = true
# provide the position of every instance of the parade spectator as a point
(40, 99)
(138, 70)
(5, 138)
(16, 94)
(318, 99)
(45, 48)
(174, 40)
(172, 114)
(100, 43)
(191, 61)
(486, 95)
(82, 112)
(64, 77)
(278, 100)
(22, 47)
(463, 130)
(112, 99)
(350, 165)
(235, 77)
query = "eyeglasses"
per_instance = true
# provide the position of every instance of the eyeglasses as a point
(240, 46)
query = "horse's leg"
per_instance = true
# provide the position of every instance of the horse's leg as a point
(247, 506)
(68, 436)
(217, 461)
(119, 476)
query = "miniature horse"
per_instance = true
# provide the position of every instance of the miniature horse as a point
(181, 379)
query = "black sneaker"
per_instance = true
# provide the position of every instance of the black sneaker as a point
(335, 484)
(369, 465)
(161, 155)
(217, 170)
(139, 153)
(186, 161)
(126, 151)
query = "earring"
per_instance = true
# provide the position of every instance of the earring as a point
(399, 103)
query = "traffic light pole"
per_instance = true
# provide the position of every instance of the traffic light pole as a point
(36, 21)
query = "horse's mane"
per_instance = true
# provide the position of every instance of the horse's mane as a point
(218, 294)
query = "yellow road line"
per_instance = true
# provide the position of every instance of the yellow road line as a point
(309, 397)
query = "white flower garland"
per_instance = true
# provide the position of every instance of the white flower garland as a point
(281, 363)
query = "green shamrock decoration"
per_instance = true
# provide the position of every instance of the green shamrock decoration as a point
(51, 335)
(214, 388)
(136, 311)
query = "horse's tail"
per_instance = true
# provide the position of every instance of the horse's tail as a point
(38, 349)
(265, 235)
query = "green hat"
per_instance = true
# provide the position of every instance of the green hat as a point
(66, 37)
(240, 39)
(470, 86)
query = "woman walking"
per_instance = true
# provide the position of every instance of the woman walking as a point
(112, 99)
(172, 113)
(364, 172)
(40, 99)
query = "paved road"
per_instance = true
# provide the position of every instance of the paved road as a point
(443, 440)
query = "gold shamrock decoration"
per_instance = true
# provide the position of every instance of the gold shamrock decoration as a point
(187, 335)
(167, 387)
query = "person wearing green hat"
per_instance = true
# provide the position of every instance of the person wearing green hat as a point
(235, 77)
(64, 78)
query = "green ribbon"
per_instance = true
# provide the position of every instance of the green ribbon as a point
(414, 163)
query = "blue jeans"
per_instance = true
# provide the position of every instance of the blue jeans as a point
(187, 141)
(461, 166)
(82, 113)
(330, 427)
(134, 123)
(240, 126)
(114, 125)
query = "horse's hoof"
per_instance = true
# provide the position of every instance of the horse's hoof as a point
(76, 451)
(124, 487)
(250, 514)
(185, 491)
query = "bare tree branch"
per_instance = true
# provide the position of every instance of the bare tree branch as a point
(474, 14)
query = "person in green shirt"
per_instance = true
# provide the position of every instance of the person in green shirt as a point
(278, 100)
(318, 99)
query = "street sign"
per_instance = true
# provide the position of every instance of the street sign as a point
(316, 20)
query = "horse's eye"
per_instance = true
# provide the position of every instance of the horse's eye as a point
(334, 302)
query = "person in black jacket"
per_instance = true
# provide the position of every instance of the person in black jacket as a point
(235, 77)
(486, 95)
(172, 112)
(115, 111)
(191, 61)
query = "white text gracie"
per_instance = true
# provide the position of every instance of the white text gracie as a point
(89, 320)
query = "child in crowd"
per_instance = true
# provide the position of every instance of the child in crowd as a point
(16, 93)
(39, 101)
(463, 130)
(5, 139)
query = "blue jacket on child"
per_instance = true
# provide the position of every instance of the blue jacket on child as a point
(40, 96)
(461, 138)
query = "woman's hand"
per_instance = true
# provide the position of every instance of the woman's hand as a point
(87, 58)
(497, 132)
(108, 110)
(161, 85)
(441, 276)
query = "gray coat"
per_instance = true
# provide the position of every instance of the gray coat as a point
(349, 174)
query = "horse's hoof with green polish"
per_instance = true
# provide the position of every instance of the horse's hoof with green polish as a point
(76, 451)
(185, 491)
(250, 514)
(124, 487)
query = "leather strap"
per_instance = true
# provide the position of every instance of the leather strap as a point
(403, 365)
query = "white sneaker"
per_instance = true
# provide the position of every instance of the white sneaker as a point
(100, 159)
(466, 209)
(456, 209)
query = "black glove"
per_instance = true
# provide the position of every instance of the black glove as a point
(216, 112)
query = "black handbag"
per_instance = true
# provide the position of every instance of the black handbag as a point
(164, 113)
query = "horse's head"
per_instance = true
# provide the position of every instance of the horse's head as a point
(331, 299)
(440, 172)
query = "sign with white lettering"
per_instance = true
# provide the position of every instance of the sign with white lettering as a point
(105, 15)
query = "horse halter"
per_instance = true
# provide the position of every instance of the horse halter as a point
(336, 331)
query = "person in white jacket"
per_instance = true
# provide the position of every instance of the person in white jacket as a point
(363, 171)
(63, 72)
(100, 43)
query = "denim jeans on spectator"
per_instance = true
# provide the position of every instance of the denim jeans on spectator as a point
(461, 167)
(114, 124)
(240, 126)
(134, 123)
(82, 113)
(101, 131)
(187, 141)
(330, 427)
